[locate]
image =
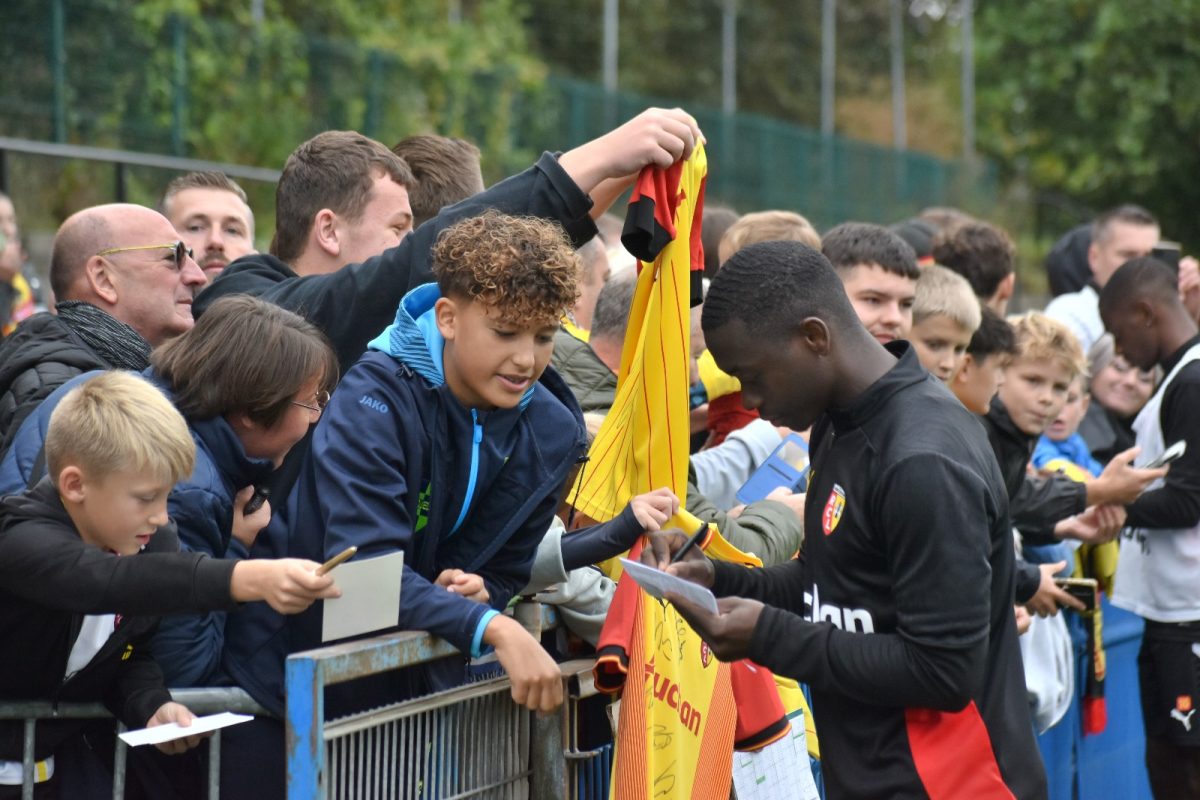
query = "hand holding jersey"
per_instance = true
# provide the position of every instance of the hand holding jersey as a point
(657, 136)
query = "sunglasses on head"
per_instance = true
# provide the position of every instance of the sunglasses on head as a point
(180, 249)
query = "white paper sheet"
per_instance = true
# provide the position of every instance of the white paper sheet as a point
(370, 598)
(657, 583)
(780, 771)
(165, 733)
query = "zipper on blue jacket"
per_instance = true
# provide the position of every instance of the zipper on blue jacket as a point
(476, 438)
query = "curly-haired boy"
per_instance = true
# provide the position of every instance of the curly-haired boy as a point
(449, 440)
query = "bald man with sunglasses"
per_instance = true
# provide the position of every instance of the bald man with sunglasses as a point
(124, 284)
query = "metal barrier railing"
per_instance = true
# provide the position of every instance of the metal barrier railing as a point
(471, 741)
(467, 742)
(199, 701)
(426, 747)
(121, 159)
(588, 769)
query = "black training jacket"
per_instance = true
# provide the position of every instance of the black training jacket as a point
(354, 304)
(50, 579)
(1036, 504)
(899, 615)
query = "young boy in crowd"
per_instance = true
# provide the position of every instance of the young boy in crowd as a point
(985, 256)
(449, 440)
(1061, 448)
(1157, 568)
(879, 271)
(88, 562)
(982, 369)
(1045, 511)
(945, 317)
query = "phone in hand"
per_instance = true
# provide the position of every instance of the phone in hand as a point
(1085, 590)
(1169, 253)
(1172, 453)
(786, 466)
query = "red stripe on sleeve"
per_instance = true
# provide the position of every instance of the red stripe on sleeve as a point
(953, 754)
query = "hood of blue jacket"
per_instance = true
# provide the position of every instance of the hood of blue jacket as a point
(414, 339)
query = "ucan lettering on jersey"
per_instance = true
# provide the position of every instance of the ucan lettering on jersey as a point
(668, 691)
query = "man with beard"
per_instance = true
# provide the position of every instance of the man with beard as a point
(212, 216)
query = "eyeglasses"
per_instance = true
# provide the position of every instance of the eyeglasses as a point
(322, 401)
(1124, 368)
(181, 251)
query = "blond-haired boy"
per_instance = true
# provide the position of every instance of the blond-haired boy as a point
(946, 315)
(1036, 380)
(88, 561)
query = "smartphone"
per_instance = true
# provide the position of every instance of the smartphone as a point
(786, 466)
(1169, 253)
(1085, 590)
(1172, 453)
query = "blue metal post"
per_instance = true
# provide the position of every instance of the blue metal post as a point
(305, 721)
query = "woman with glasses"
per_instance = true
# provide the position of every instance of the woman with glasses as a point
(1119, 390)
(249, 378)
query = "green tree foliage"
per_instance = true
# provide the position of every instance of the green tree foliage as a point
(1096, 99)
(202, 78)
(672, 49)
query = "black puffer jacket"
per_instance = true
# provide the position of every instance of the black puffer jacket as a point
(41, 355)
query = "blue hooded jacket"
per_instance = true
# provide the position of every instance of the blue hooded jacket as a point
(1073, 449)
(398, 463)
(186, 646)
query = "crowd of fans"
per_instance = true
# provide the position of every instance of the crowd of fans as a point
(418, 363)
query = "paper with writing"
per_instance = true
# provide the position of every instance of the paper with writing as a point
(657, 583)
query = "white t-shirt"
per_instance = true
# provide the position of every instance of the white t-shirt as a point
(1158, 570)
(1079, 311)
(93, 633)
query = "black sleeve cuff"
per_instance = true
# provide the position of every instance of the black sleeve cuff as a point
(213, 583)
(729, 579)
(783, 642)
(1029, 577)
(577, 204)
(596, 543)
